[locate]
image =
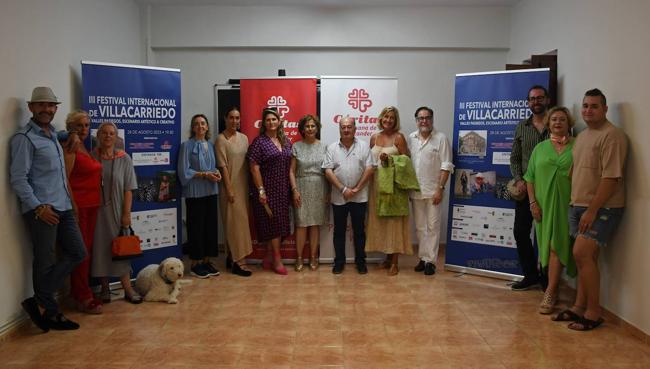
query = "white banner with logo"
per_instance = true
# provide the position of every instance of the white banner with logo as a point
(360, 97)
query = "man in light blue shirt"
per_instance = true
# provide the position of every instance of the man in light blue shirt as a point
(37, 175)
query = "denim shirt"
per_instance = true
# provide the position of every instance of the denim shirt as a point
(37, 170)
(197, 156)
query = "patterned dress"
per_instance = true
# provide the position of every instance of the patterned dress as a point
(311, 183)
(274, 168)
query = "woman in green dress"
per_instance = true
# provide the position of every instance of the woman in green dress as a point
(549, 191)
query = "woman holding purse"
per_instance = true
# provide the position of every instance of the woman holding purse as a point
(118, 183)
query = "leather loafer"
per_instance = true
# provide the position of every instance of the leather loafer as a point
(31, 308)
(429, 269)
(362, 269)
(337, 269)
(420, 267)
(61, 323)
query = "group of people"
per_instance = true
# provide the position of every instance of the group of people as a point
(73, 197)
(575, 194)
(307, 176)
(81, 199)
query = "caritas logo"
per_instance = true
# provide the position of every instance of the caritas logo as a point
(279, 103)
(359, 99)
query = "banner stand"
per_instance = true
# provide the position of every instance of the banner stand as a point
(144, 103)
(488, 107)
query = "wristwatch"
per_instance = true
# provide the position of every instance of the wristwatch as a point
(261, 190)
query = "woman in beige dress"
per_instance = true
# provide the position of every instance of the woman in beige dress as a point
(231, 147)
(390, 235)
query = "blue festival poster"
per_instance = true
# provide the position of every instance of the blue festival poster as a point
(145, 104)
(488, 107)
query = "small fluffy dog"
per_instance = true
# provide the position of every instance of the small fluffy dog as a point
(160, 282)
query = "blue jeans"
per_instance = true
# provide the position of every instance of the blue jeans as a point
(357, 211)
(48, 273)
(606, 222)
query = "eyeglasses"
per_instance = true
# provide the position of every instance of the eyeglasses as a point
(423, 119)
(537, 98)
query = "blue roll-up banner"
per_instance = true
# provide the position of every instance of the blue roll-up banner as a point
(487, 108)
(145, 104)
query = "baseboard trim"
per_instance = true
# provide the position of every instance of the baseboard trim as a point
(627, 326)
(10, 328)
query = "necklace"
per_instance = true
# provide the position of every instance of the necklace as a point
(560, 140)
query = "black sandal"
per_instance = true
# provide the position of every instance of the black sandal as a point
(586, 324)
(566, 315)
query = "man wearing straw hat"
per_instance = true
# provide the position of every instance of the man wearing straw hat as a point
(38, 177)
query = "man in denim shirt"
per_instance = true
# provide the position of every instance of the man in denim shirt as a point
(38, 177)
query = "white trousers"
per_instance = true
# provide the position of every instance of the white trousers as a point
(427, 226)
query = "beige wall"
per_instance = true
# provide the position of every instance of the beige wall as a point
(604, 44)
(43, 43)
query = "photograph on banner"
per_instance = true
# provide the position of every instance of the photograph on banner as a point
(145, 104)
(487, 108)
(360, 98)
(292, 98)
(472, 143)
(161, 188)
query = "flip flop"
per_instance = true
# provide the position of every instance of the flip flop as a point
(566, 316)
(585, 324)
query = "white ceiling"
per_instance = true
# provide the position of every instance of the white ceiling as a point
(334, 2)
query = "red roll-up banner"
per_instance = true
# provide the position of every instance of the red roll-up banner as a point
(293, 98)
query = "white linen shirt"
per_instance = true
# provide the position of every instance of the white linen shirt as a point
(429, 157)
(348, 166)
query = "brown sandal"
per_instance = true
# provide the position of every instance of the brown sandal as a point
(566, 315)
(585, 324)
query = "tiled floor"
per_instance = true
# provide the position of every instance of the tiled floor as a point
(319, 320)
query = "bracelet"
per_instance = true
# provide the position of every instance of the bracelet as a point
(261, 191)
(295, 189)
(533, 202)
(343, 190)
(39, 210)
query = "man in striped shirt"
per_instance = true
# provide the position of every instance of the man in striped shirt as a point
(528, 134)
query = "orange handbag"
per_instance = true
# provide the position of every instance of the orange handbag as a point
(126, 245)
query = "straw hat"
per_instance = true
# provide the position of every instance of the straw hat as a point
(43, 94)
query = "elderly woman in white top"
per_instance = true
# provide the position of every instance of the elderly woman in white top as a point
(199, 176)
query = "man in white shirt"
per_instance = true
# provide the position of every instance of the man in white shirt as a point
(348, 166)
(432, 160)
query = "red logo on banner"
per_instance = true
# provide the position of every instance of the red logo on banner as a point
(279, 103)
(359, 99)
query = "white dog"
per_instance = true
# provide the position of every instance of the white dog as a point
(160, 282)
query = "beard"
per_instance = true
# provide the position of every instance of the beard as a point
(538, 109)
(425, 129)
(44, 118)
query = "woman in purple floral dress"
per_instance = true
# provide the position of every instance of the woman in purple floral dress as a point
(269, 158)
